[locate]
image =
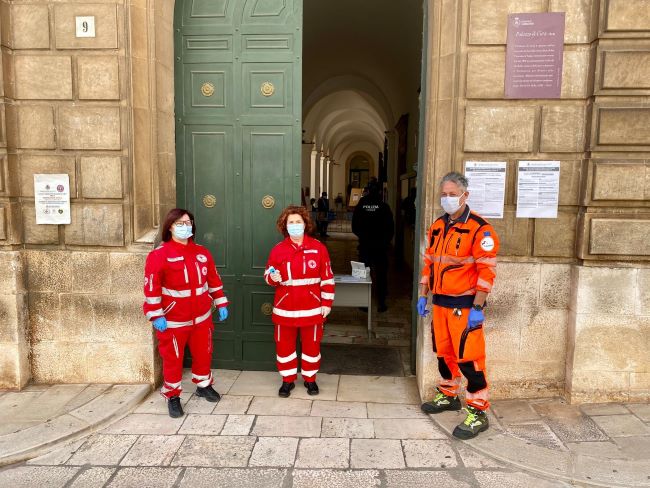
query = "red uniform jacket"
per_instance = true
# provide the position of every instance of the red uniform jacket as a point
(307, 282)
(181, 283)
(460, 259)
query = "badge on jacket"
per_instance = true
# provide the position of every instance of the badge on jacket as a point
(487, 243)
(201, 258)
(311, 264)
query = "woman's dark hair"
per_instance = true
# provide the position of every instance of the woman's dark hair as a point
(290, 210)
(174, 215)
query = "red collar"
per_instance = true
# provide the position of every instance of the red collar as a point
(181, 248)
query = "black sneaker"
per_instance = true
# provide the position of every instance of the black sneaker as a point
(382, 308)
(475, 423)
(440, 403)
(312, 388)
(285, 389)
(175, 408)
(208, 393)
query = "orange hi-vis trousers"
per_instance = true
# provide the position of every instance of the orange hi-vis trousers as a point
(460, 350)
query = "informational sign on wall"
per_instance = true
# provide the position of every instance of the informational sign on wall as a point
(534, 53)
(52, 198)
(538, 189)
(487, 187)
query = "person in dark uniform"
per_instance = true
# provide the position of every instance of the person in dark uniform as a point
(323, 214)
(372, 222)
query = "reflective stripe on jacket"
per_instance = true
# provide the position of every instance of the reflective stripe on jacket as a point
(181, 283)
(460, 259)
(307, 282)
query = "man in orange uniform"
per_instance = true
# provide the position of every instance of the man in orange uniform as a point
(459, 271)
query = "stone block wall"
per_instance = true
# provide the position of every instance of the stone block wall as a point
(67, 106)
(566, 300)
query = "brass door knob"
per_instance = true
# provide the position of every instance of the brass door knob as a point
(209, 201)
(268, 201)
(267, 308)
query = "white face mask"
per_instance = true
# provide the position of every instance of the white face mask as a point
(451, 205)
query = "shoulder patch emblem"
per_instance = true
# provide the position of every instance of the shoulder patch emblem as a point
(487, 243)
(204, 270)
(311, 264)
(146, 280)
(201, 258)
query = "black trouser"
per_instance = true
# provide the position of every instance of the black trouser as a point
(377, 258)
(323, 227)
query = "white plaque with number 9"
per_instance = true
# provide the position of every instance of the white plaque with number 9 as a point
(85, 26)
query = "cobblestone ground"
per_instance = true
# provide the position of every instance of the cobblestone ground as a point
(354, 434)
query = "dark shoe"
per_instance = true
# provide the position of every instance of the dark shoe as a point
(208, 393)
(175, 408)
(440, 403)
(312, 388)
(285, 389)
(382, 308)
(475, 423)
(363, 309)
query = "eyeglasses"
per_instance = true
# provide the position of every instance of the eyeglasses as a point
(181, 223)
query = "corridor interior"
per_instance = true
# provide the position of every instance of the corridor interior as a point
(361, 99)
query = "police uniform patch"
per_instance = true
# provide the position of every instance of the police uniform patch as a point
(204, 270)
(311, 264)
(201, 258)
(487, 243)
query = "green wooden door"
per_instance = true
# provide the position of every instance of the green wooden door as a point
(238, 78)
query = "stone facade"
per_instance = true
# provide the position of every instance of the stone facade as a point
(570, 293)
(566, 314)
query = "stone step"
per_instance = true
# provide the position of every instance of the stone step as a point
(108, 406)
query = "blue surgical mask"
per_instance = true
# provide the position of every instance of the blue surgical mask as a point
(296, 230)
(182, 231)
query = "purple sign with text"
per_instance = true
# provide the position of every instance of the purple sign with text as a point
(534, 55)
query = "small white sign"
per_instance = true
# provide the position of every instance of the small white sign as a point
(487, 187)
(52, 199)
(538, 189)
(85, 26)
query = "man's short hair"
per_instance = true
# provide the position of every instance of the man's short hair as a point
(457, 178)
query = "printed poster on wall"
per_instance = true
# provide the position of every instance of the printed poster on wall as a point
(487, 187)
(538, 189)
(534, 52)
(52, 198)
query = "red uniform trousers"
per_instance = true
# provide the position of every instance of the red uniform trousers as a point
(287, 358)
(460, 350)
(171, 345)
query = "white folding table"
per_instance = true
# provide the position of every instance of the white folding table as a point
(354, 292)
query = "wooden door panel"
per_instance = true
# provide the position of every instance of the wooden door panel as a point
(238, 76)
(268, 88)
(209, 151)
(208, 12)
(266, 156)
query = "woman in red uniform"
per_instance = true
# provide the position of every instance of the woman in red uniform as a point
(181, 285)
(299, 268)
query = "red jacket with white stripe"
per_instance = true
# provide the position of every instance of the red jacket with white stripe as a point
(181, 283)
(307, 282)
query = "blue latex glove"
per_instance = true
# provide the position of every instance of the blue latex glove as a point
(223, 314)
(160, 324)
(422, 307)
(476, 318)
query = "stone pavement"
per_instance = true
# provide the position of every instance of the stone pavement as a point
(360, 431)
(40, 416)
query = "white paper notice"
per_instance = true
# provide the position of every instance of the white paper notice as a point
(538, 188)
(487, 187)
(52, 199)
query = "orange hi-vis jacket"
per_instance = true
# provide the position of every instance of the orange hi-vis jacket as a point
(460, 259)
